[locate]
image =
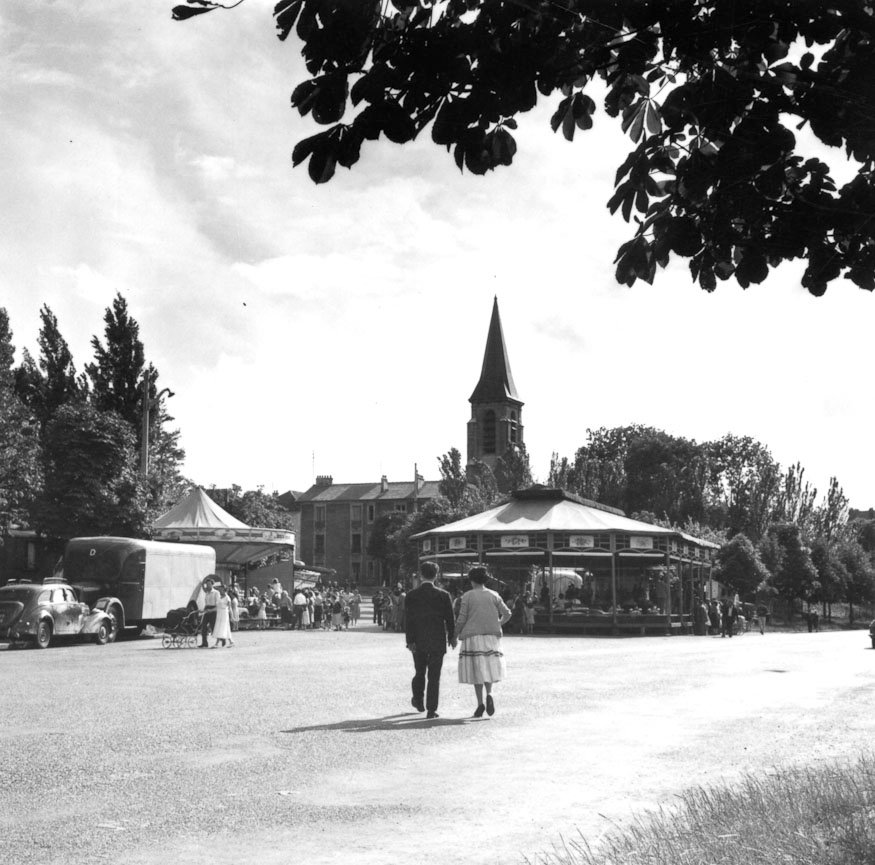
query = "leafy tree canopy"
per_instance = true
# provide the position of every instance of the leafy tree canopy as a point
(711, 94)
(740, 566)
(92, 486)
(258, 509)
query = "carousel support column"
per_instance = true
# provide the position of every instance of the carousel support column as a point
(614, 625)
(668, 591)
(710, 582)
(681, 594)
(550, 572)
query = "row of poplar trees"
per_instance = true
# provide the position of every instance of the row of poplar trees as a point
(71, 441)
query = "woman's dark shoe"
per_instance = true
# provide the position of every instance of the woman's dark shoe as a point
(478, 712)
(490, 706)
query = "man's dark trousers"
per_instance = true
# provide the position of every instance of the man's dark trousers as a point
(427, 664)
(207, 624)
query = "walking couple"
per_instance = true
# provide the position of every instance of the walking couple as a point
(431, 627)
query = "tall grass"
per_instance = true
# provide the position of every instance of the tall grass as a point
(823, 816)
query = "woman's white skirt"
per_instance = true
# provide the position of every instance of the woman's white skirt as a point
(481, 660)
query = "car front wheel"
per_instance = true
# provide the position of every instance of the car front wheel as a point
(104, 632)
(43, 635)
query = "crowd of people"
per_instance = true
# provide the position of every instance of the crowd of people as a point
(330, 607)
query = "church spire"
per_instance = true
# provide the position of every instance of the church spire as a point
(496, 382)
(496, 424)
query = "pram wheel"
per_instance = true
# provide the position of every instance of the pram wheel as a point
(191, 641)
(167, 641)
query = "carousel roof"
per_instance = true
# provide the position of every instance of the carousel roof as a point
(197, 519)
(542, 509)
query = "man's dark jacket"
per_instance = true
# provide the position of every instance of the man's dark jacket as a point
(430, 623)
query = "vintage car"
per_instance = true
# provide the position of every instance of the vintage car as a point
(38, 612)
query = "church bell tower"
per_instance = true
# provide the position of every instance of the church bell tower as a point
(496, 424)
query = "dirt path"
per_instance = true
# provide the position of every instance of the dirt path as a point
(303, 746)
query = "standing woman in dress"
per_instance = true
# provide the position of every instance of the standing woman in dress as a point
(355, 607)
(222, 628)
(482, 612)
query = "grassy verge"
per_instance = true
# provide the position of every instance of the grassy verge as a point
(823, 816)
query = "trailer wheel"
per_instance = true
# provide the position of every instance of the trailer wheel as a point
(115, 613)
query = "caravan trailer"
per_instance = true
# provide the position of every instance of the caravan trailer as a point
(143, 579)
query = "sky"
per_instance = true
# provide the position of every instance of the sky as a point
(339, 329)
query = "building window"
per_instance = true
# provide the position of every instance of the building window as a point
(356, 543)
(319, 514)
(371, 513)
(355, 513)
(370, 571)
(489, 432)
(401, 507)
(513, 428)
(356, 571)
(319, 545)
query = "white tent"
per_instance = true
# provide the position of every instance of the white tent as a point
(197, 519)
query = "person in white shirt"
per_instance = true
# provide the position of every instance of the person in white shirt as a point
(300, 604)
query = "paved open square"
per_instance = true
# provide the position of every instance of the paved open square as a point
(303, 746)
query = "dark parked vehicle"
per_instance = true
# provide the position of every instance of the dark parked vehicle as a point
(39, 612)
(872, 632)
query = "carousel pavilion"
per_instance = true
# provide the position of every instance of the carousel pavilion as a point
(589, 566)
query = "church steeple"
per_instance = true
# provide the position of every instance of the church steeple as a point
(496, 382)
(496, 409)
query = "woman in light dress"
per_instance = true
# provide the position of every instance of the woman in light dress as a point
(235, 609)
(222, 628)
(355, 607)
(482, 612)
(307, 612)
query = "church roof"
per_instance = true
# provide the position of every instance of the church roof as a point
(496, 382)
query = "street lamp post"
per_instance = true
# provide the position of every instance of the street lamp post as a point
(148, 405)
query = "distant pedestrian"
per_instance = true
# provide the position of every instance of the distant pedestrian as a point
(355, 607)
(337, 613)
(482, 612)
(728, 618)
(287, 616)
(299, 603)
(529, 613)
(235, 609)
(714, 617)
(762, 613)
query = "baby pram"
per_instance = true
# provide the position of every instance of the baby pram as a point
(181, 629)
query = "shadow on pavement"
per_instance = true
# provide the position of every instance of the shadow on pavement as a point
(406, 721)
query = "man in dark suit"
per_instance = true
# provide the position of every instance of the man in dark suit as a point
(429, 628)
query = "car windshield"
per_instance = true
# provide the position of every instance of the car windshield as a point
(17, 593)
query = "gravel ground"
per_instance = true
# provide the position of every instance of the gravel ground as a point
(302, 746)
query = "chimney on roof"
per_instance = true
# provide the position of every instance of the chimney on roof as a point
(324, 480)
(384, 484)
